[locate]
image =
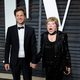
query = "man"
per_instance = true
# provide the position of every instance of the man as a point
(20, 47)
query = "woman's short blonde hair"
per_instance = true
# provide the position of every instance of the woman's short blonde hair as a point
(50, 19)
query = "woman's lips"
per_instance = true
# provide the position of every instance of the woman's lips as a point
(50, 28)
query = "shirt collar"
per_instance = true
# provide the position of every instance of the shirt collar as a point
(20, 25)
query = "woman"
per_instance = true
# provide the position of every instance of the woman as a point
(54, 51)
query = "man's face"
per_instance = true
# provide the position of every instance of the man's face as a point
(20, 17)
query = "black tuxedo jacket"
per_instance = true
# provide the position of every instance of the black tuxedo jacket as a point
(12, 45)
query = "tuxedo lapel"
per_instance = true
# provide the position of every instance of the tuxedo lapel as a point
(25, 32)
(16, 33)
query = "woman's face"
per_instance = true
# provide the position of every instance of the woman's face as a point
(51, 27)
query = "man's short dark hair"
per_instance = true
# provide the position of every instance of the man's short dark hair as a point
(20, 9)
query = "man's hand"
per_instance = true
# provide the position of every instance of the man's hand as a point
(33, 65)
(7, 67)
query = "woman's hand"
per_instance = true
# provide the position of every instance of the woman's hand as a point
(67, 71)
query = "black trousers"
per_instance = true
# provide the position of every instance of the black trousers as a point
(53, 73)
(21, 67)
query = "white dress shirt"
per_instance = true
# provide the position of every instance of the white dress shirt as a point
(21, 42)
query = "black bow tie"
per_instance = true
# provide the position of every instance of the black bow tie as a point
(20, 27)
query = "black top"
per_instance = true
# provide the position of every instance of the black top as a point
(51, 57)
(49, 51)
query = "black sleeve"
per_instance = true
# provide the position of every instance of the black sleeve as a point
(66, 51)
(40, 54)
(7, 46)
(33, 47)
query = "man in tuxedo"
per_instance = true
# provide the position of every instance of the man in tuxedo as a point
(20, 47)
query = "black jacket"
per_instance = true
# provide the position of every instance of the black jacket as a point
(61, 50)
(12, 45)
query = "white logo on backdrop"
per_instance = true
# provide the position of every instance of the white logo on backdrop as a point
(52, 10)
